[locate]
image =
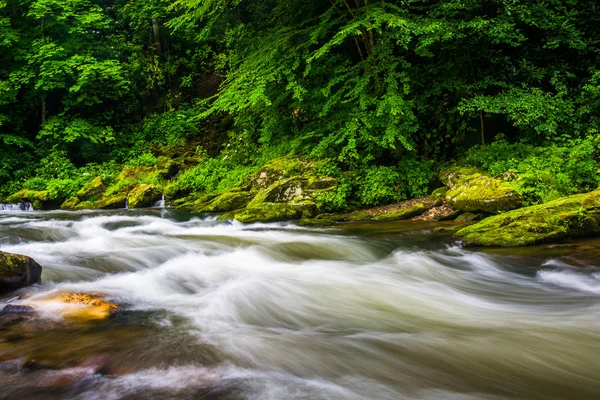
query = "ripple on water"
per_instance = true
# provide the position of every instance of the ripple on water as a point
(274, 311)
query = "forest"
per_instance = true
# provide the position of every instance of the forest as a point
(381, 94)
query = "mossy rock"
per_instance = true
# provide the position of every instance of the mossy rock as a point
(567, 217)
(70, 204)
(105, 203)
(468, 217)
(439, 193)
(39, 199)
(226, 201)
(167, 168)
(17, 271)
(470, 190)
(143, 195)
(409, 212)
(270, 212)
(279, 169)
(322, 220)
(93, 189)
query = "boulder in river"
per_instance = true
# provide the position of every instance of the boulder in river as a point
(88, 306)
(92, 190)
(39, 199)
(17, 271)
(567, 217)
(471, 190)
(144, 195)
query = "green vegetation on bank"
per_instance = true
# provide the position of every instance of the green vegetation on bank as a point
(114, 101)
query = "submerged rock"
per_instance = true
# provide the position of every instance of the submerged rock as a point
(143, 195)
(17, 271)
(567, 217)
(16, 309)
(471, 190)
(86, 306)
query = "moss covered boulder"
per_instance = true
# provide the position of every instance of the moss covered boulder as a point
(567, 217)
(227, 201)
(471, 190)
(70, 204)
(17, 271)
(39, 199)
(270, 212)
(92, 190)
(104, 203)
(144, 195)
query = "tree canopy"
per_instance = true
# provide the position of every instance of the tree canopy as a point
(365, 83)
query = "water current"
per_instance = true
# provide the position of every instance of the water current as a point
(221, 310)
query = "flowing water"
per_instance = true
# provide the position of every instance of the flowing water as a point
(219, 310)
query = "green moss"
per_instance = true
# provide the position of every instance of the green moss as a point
(279, 169)
(143, 195)
(227, 201)
(105, 203)
(470, 190)
(567, 217)
(405, 213)
(439, 193)
(94, 188)
(38, 198)
(9, 263)
(468, 217)
(268, 212)
(70, 204)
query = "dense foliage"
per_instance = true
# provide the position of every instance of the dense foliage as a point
(385, 91)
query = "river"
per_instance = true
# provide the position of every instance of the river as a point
(221, 310)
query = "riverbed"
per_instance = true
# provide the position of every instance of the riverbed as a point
(221, 310)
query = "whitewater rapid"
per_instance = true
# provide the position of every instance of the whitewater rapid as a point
(284, 312)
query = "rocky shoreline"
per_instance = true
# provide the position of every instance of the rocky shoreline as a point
(293, 189)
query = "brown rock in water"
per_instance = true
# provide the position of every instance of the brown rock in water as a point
(14, 309)
(18, 271)
(87, 305)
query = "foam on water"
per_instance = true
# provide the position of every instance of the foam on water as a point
(301, 313)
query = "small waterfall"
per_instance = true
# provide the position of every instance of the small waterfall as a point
(16, 207)
(160, 203)
(127, 203)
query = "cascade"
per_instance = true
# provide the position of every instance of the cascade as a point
(16, 207)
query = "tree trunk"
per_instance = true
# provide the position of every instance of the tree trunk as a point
(482, 127)
(156, 35)
(44, 112)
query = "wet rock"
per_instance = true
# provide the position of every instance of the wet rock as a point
(16, 309)
(471, 190)
(92, 190)
(17, 271)
(469, 217)
(40, 199)
(143, 195)
(98, 364)
(567, 217)
(87, 305)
